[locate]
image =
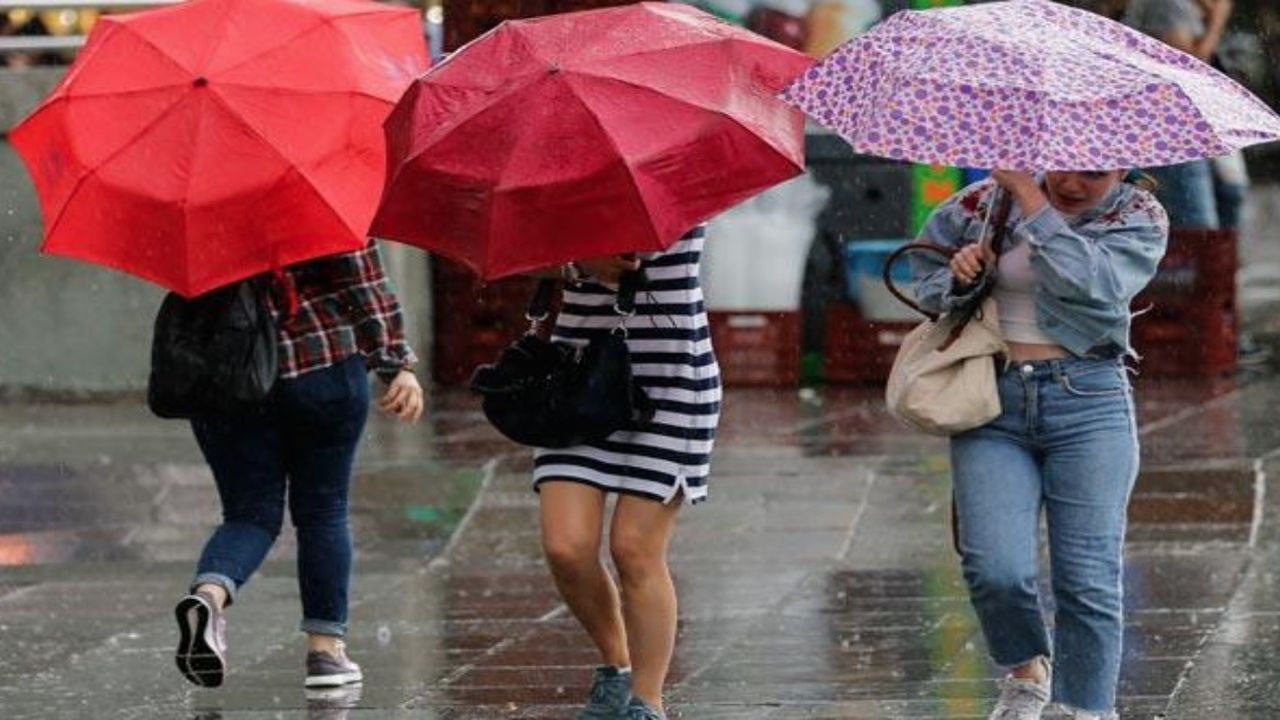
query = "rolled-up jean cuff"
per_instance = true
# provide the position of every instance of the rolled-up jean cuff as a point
(323, 627)
(219, 579)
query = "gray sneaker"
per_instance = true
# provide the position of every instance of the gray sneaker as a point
(1086, 715)
(1020, 700)
(202, 640)
(638, 709)
(325, 669)
(610, 693)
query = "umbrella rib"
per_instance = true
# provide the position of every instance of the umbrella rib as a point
(124, 93)
(266, 142)
(664, 50)
(300, 91)
(159, 50)
(324, 21)
(646, 88)
(114, 154)
(626, 166)
(457, 121)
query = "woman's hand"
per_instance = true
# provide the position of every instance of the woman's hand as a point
(968, 262)
(1024, 189)
(404, 398)
(608, 270)
(1215, 9)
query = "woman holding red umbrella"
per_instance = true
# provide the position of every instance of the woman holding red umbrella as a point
(586, 136)
(654, 470)
(339, 320)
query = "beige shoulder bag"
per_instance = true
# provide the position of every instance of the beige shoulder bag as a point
(943, 379)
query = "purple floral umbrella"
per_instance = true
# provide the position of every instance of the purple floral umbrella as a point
(1027, 85)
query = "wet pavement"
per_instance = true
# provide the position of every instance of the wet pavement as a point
(818, 583)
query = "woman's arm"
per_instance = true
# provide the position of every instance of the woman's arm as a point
(1106, 262)
(937, 289)
(1216, 15)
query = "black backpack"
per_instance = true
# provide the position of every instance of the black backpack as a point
(213, 354)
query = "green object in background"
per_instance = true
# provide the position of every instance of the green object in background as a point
(812, 369)
(930, 185)
(926, 4)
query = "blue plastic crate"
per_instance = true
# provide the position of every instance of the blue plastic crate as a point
(863, 273)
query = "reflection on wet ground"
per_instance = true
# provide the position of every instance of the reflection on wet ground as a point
(818, 583)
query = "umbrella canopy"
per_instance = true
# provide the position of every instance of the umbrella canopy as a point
(1027, 85)
(587, 134)
(203, 143)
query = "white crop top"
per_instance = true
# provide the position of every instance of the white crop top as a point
(1015, 296)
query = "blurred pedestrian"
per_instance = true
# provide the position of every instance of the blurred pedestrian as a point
(337, 319)
(653, 469)
(1083, 245)
(1196, 193)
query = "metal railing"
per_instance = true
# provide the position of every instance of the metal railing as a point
(49, 43)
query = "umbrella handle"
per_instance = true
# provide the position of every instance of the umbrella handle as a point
(998, 229)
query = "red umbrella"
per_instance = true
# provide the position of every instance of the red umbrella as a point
(587, 134)
(203, 143)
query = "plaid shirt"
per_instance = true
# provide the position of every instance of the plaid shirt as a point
(341, 305)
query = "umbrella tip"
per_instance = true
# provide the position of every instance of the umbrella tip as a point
(200, 81)
(553, 69)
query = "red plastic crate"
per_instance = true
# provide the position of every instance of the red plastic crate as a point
(757, 348)
(473, 322)
(857, 350)
(1189, 321)
(1197, 264)
(1200, 344)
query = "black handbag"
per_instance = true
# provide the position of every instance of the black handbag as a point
(215, 353)
(556, 395)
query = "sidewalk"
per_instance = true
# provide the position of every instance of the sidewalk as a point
(818, 583)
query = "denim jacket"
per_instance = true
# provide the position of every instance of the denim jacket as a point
(1090, 267)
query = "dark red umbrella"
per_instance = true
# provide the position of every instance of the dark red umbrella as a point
(199, 144)
(587, 134)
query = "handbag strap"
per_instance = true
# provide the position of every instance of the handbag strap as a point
(629, 284)
(998, 237)
(540, 305)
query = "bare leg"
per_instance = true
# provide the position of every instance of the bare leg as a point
(572, 525)
(638, 541)
(217, 592)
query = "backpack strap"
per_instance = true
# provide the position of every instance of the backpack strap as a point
(289, 289)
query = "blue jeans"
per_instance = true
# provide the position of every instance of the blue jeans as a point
(1065, 443)
(300, 443)
(1187, 193)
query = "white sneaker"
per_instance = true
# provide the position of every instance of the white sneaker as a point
(1022, 699)
(1086, 715)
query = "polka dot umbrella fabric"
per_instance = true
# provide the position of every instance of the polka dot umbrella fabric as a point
(1027, 85)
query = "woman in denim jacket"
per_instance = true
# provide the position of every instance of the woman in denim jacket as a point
(1082, 245)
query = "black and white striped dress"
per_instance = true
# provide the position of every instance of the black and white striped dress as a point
(672, 358)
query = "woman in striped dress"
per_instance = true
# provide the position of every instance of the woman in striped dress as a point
(653, 469)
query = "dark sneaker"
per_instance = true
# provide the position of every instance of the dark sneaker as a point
(326, 669)
(202, 640)
(641, 710)
(610, 693)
